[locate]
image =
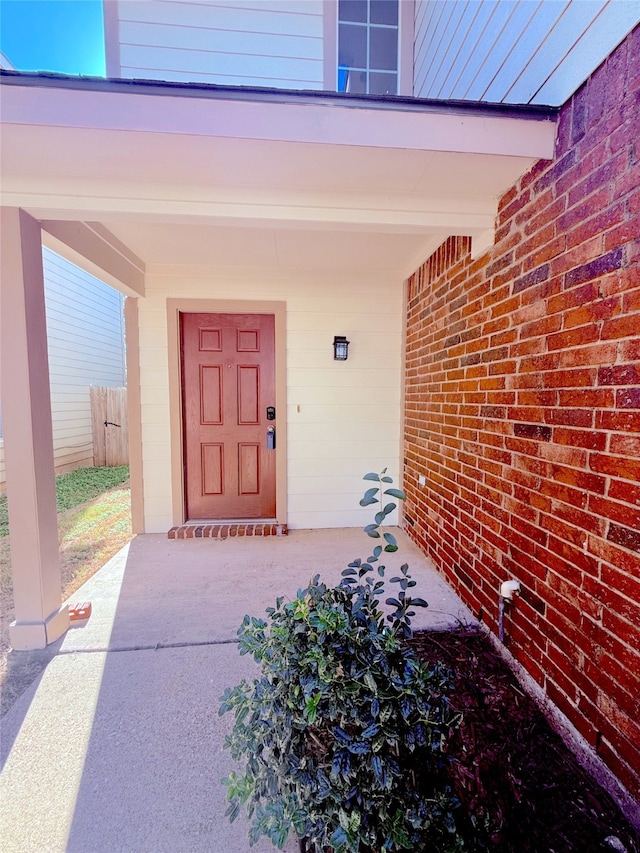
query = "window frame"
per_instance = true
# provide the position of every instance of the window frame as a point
(406, 25)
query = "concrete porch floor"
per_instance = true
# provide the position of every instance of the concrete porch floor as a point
(117, 746)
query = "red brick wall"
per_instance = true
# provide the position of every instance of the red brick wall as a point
(523, 414)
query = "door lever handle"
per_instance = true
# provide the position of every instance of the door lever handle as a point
(271, 438)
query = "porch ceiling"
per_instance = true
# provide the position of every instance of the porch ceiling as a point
(280, 187)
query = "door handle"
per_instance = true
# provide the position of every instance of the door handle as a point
(271, 438)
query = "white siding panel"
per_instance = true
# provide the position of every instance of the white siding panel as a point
(512, 34)
(229, 64)
(298, 17)
(421, 9)
(444, 33)
(449, 65)
(428, 16)
(228, 42)
(216, 79)
(86, 347)
(471, 52)
(556, 43)
(514, 51)
(544, 19)
(214, 41)
(604, 34)
(506, 24)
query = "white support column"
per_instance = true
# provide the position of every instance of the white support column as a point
(26, 414)
(134, 408)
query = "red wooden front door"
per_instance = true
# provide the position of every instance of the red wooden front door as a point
(228, 381)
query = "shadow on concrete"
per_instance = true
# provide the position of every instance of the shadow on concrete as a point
(24, 669)
(120, 741)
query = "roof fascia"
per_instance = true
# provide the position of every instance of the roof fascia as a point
(301, 117)
(209, 91)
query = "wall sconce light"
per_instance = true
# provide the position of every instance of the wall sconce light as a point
(340, 348)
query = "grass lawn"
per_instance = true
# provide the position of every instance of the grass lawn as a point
(94, 522)
(75, 488)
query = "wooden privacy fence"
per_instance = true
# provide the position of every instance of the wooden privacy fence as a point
(110, 426)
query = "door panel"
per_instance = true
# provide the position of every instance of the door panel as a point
(249, 469)
(248, 395)
(212, 468)
(228, 380)
(211, 395)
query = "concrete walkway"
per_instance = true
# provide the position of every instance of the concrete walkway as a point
(117, 747)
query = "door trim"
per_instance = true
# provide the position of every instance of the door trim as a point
(224, 306)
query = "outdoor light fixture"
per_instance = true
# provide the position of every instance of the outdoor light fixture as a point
(340, 348)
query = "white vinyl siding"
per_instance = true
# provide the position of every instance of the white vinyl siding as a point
(514, 51)
(343, 418)
(85, 340)
(86, 347)
(272, 43)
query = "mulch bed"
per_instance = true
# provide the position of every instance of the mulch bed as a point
(521, 790)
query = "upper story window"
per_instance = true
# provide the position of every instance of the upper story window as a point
(368, 47)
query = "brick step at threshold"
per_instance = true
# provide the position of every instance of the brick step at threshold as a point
(227, 530)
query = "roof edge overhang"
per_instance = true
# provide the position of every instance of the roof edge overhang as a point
(52, 100)
(211, 91)
(64, 138)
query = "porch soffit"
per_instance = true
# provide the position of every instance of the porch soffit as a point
(287, 185)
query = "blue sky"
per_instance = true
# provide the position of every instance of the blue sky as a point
(53, 35)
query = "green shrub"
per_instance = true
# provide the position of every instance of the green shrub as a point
(341, 735)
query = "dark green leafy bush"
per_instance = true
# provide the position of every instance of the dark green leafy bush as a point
(344, 726)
